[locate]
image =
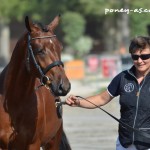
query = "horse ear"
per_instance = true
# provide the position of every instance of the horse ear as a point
(27, 23)
(54, 23)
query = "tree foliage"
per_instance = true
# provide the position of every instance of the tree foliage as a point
(81, 18)
(139, 20)
(82, 46)
(73, 25)
(13, 9)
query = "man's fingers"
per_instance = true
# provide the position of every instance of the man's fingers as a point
(72, 100)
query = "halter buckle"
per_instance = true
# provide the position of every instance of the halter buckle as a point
(45, 80)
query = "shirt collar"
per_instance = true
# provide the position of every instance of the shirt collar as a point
(133, 69)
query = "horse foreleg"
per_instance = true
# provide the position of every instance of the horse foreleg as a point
(64, 145)
(20, 143)
(35, 146)
(54, 144)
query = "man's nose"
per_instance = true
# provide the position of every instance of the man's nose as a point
(139, 59)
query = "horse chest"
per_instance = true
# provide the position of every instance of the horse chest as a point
(48, 122)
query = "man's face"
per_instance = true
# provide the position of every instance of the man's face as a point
(141, 60)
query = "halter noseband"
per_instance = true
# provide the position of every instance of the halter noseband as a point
(45, 80)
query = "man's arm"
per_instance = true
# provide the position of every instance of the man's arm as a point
(99, 100)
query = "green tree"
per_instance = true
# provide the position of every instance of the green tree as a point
(73, 26)
(83, 17)
(139, 20)
(15, 10)
(82, 46)
(8, 10)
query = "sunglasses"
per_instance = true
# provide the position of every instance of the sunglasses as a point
(143, 56)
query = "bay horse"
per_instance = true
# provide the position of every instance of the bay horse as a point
(30, 86)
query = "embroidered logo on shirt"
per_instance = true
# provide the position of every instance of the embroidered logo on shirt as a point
(129, 87)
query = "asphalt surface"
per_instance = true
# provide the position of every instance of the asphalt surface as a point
(90, 129)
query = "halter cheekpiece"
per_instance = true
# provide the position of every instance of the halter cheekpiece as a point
(45, 80)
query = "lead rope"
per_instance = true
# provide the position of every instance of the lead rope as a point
(124, 125)
(120, 122)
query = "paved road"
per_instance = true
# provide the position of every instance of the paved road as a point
(89, 129)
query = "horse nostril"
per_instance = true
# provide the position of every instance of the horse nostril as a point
(63, 90)
(60, 88)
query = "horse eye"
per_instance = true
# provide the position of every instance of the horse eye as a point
(39, 51)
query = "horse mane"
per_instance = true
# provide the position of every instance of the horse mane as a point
(43, 27)
(18, 53)
(16, 64)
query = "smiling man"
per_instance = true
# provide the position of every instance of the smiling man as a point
(133, 87)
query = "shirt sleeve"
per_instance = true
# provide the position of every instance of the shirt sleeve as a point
(114, 86)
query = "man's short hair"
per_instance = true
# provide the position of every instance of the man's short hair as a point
(139, 43)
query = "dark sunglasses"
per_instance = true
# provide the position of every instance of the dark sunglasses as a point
(143, 56)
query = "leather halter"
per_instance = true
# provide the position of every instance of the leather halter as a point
(44, 79)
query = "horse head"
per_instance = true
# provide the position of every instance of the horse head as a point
(44, 55)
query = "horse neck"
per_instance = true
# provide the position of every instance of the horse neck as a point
(18, 79)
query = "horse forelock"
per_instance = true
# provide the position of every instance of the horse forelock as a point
(43, 27)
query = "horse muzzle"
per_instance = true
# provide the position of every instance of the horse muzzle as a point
(61, 89)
